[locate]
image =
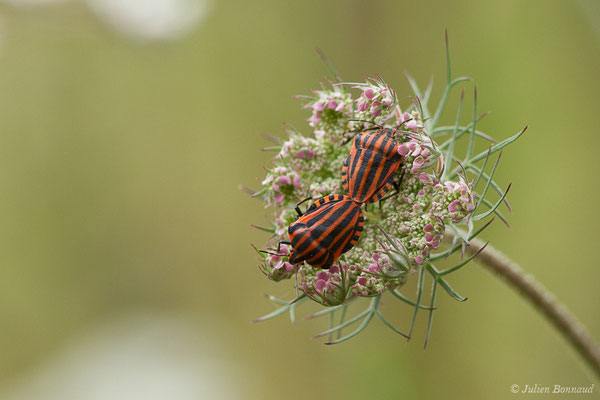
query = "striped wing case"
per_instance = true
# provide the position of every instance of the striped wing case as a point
(368, 172)
(330, 227)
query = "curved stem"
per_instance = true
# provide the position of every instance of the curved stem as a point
(544, 300)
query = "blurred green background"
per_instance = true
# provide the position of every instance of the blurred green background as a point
(120, 158)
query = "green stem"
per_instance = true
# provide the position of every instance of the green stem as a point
(543, 300)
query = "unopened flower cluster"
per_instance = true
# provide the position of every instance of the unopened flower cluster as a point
(400, 233)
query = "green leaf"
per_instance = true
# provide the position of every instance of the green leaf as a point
(362, 326)
(277, 301)
(473, 123)
(389, 325)
(442, 105)
(281, 310)
(329, 309)
(262, 228)
(260, 194)
(489, 181)
(445, 285)
(430, 321)
(293, 313)
(399, 296)
(494, 208)
(451, 291)
(415, 87)
(342, 317)
(367, 314)
(331, 318)
(345, 324)
(450, 152)
(487, 157)
(459, 266)
(455, 246)
(461, 131)
(497, 147)
(427, 94)
(336, 77)
(498, 213)
(482, 174)
(459, 233)
(419, 294)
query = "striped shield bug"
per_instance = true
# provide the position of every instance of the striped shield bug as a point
(368, 172)
(330, 227)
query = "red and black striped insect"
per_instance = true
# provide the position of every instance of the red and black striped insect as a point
(330, 227)
(368, 172)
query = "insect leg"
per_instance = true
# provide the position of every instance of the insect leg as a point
(297, 208)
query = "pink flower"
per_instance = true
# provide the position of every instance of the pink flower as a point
(454, 206)
(284, 180)
(319, 106)
(362, 105)
(296, 181)
(375, 111)
(320, 285)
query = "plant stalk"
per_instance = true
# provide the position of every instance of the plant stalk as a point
(544, 300)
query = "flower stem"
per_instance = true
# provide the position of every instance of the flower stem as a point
(544, 300)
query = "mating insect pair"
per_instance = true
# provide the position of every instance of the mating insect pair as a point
(333, 224)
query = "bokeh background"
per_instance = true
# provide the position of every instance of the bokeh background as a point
(126, 270)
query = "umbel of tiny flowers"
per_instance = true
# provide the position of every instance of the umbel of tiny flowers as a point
(403, 235)
(420, 153)
(330, 111)
(376, 102)
(275, 265)
(327, 287)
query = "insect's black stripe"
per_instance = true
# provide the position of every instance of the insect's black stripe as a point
(342, 244)
(330, 262)
(372, 151)
(372, 171)
(366, 160)
(354, 157)
(357, 173)
(320, 260)
(367, 139)
(317, 226)
(325, 263)
(346, 218)
(385, 170)
(297, 238)
(385, 183)
(294, 227)
(318, 215)
(315, 207)
(391, 150)
(346, 240)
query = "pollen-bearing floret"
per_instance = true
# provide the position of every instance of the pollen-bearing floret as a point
(331, 110)
(403, 232)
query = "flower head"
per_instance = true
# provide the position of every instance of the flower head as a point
(420, 153)
(331, 110)
(376, 101)
(276, 267)
(403, 233)
(457, 201)
(328, 287)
